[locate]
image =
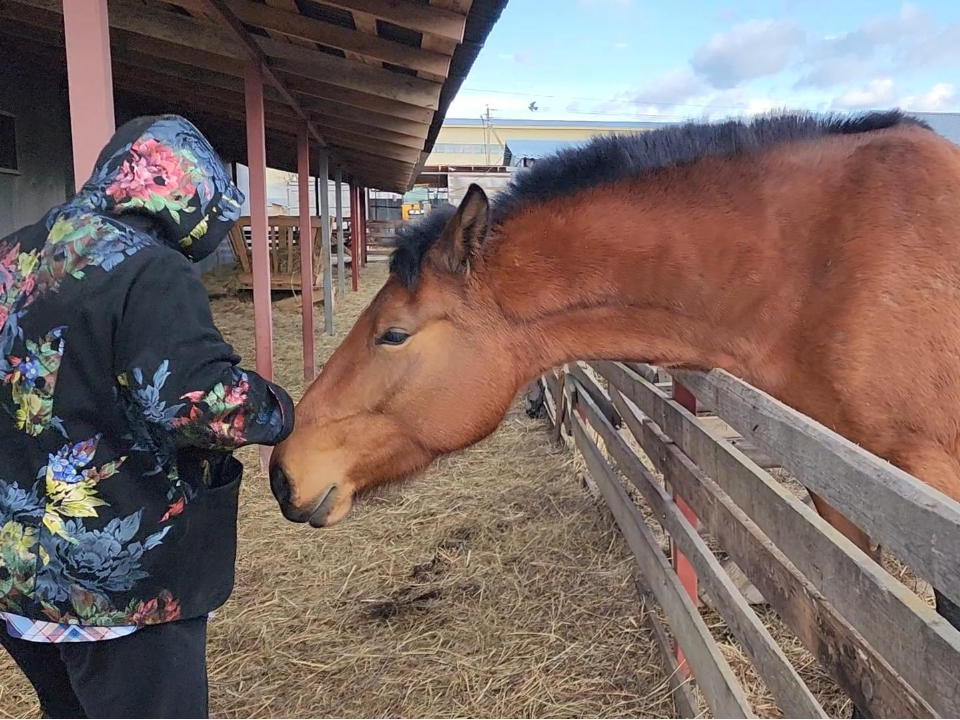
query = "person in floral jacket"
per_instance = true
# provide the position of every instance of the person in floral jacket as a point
(120, 405)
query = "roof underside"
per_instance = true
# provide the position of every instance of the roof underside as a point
(372, 79)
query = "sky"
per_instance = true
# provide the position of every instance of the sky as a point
(673, 59)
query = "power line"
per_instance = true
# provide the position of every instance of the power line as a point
(607, 100)
(634, 116)
(651, 117)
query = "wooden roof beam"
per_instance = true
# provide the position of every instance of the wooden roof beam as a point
(374, 162)
(374, 147)
(294, 25)
(367, 25)
(176, 37)
(441, 44)
(320, 90)
(378, 133)
(152, 56)
(345, 73)
(409, 14)
(173, 75)
(368, 118)
(285, 5)
(256, 54)
(229, 106)
(179, 73)
(169, 27)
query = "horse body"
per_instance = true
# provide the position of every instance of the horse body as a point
(826, 274)
(818, 260)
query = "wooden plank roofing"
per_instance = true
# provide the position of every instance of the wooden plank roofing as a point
(372, 78)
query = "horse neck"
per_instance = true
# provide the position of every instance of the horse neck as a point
(636, 276)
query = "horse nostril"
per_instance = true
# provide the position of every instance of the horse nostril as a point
(280, 485)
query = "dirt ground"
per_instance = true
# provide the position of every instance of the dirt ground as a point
(490, 587)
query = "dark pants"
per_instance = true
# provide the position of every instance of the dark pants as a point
(160, 671)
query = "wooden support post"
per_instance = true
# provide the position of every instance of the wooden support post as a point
(681, 564)
(364, 206)
(86, 30)
(354, 239)
(324, 176)
(341, 268)
(306, 255)
(257, 164)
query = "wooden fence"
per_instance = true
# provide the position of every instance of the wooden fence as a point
(711, 439)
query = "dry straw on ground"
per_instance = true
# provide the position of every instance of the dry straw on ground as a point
(491, 587)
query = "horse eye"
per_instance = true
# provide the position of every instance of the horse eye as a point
(393, 336)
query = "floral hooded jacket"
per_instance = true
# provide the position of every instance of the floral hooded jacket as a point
(120, 402)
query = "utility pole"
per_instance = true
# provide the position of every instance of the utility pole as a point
(486, 135)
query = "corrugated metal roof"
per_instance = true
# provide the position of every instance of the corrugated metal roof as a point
(947, 124)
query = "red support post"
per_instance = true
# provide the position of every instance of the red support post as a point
(354, 236)
(681, 564)
(257, 164)
(86, 30)
(306, 255)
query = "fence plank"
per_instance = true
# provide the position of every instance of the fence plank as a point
(714, 676)
(908, 633)
(911, 519)
(686, 700)
(552, 383)
(856, 666)
(596, 393)
(771, 664)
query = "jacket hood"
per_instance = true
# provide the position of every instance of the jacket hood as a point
(164, 171)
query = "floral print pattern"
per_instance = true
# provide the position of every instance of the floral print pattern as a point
(217, 416)
(91, 526)
(33, 378)
(75, 564)
(154, 178)
(215, 419)
(71, 487)
(171, 172)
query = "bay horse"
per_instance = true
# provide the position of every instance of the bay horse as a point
(812, 256)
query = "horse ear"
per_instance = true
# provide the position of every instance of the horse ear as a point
(465, 232)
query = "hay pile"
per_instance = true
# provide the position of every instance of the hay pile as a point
(491, 587)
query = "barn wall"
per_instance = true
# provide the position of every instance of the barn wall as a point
(37, 97)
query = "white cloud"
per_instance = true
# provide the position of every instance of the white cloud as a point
(942, 96)
(757, 105)
(749, 50)
(523, 57)
(674, 87)
(832, 72)
(877, 93)
(881, 44)
(890, 29)
(728, 14)
(935, 48)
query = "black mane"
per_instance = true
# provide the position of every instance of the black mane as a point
(414, 240)
(609, 158)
